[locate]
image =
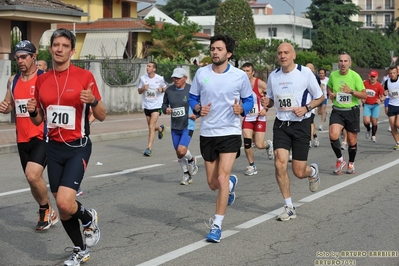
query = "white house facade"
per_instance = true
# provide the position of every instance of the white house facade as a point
(294, 28)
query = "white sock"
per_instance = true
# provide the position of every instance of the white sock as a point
(188, 155)
(341, 159)
(313, 172)
(230, 185)
(218, 220)
(183, 164)
(288, 202)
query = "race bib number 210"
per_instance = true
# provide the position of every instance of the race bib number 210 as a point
(61, 116)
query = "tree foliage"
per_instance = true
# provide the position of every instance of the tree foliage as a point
(175, 42)
(191, 7)
(260, 52)
(369, 48)
(338, 12)
(234, 17)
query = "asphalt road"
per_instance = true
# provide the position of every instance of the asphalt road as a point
(147, 218)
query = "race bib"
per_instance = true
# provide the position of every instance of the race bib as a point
(254, 110)
(178, 112)
(151, 94)
(370, 93)
(394, 93)
(285, 102)
(61, 116)
(343, 97)
(21, 108)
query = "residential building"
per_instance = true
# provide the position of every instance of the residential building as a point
(260, 8)
(294, 28)
(376, 13)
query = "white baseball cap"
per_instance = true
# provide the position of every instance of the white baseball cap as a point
(179, 73)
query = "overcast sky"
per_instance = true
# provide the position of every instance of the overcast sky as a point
(279, 6)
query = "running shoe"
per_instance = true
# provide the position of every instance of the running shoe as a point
(147, 152)
(79, 192)
(269, 149)
(367, 135)
(251, 170)
(321, 127)
(186, 179)
(316, 142)
(287, 214)
(44, 220)
(396, 147)
(314, 181)
(339, 166)
(215, 232)
(78, 256)
(232, 194)
(193, 167)
(92, 232)
(344, 146)
(389, 128)
(373, 139)
(310, 144)
(160, 133)
(54, 217)
(351, 168)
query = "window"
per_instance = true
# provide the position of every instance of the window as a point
(387, 19)
(369, 4)
(272, 32)
(389, 4)
(107, 8)
(125, 10)
(207, 31)
(369, 21)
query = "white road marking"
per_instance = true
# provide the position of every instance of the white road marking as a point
(127, 171)
(271, 215)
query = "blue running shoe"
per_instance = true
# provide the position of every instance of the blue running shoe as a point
(160, 133)
(147, 152)
(214, 234)
(232, 195)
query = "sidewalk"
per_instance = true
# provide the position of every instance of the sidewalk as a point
(113, 127)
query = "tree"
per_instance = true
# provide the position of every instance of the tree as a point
(337, 12)
(191, 7)
(234, 17)
(174, 41)
(260, 52)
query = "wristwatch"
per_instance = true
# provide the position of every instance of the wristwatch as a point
(94, 103)
(309, 107)
(351, 92)
(199, 111)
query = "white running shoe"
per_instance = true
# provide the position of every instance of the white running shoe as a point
(78, 256)
(193, 167)
(270, 152)
(251, 170)
(316, 142)
(186, 180)
(92, 232)
(287, 214)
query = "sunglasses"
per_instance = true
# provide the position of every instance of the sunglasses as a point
(22, 56)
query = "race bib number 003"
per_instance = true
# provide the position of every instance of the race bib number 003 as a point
(178, 112)
(61, 116)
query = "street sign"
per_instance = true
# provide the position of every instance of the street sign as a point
(394, 58)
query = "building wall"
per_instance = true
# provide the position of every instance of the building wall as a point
(141, 37)
(95, 8)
